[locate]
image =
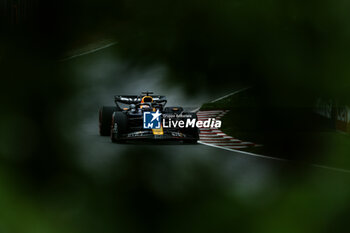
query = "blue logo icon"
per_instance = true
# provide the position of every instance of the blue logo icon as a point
(151, 120)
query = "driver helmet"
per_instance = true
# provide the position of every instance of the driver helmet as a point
(146, 99)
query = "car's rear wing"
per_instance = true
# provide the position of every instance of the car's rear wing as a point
(135, 99)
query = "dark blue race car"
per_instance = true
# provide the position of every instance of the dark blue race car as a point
(144, 117)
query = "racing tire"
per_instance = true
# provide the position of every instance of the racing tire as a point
(105, 120)
(121, 121)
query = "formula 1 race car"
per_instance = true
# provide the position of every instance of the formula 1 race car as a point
(146, 117)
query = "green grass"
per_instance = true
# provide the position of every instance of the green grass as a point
(336, 149)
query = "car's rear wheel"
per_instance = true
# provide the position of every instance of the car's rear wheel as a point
(105, 120)
(119, 127)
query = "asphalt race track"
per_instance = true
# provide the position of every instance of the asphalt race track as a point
(100, 75)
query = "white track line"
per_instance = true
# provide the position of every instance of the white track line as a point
(237, 147)
(196, 110)
(331, 168)
(88, 52)
(233, 93)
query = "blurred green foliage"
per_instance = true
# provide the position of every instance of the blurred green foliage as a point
(292, 52)
(284, 48)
